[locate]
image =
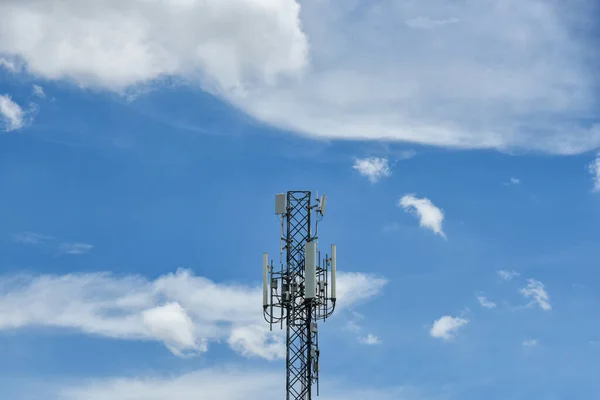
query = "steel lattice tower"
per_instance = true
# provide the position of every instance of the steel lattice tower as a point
(302, 291)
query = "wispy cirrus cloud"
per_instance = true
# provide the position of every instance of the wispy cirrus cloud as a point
(430, 216)
(74, 248)
(428, 23)
(30, 238)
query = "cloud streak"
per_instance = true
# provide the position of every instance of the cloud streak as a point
(183, 311)
(229, 382)
(74, 248)
(594, 170)
(30, 238)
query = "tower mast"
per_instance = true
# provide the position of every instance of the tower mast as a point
(302, 291)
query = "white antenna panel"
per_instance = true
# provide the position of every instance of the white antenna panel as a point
(280, 203)
(265, 279)
(333, 270)
(310, 270)
(323, 204)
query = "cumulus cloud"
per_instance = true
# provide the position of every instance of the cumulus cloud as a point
(12, 115)
(484, 302)
(537, 293)
(171, 324)
(430, 216)
(594, 169)
(529, 343)
(374, 168)
(507, 275)
(116, 44)
(183, 311)
(75, 248)
(474, 74)
(446, 327)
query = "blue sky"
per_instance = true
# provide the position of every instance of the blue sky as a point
(139, 166)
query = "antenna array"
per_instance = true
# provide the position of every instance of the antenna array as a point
(302, 291)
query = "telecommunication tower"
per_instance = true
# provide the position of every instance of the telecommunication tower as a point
(302, 291)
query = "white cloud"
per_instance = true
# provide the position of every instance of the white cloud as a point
(484, 302)
(12, 115)
(370, 339)
(219, 43)
(257, 340)
(223, 383)
(514, 181)
(374, 168)
(446, 327)
(355, 287)
(353, 325)
(183, 311)
(430, 216)
(39, 91)
(517, 75)
(406, 154)
(594, 169)
(530, 343)
(9, 65)
(75, 248)
(213, 384)
(428, 23)
(507, 275)
(171, 324)
(535, 290)
(30, 238)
